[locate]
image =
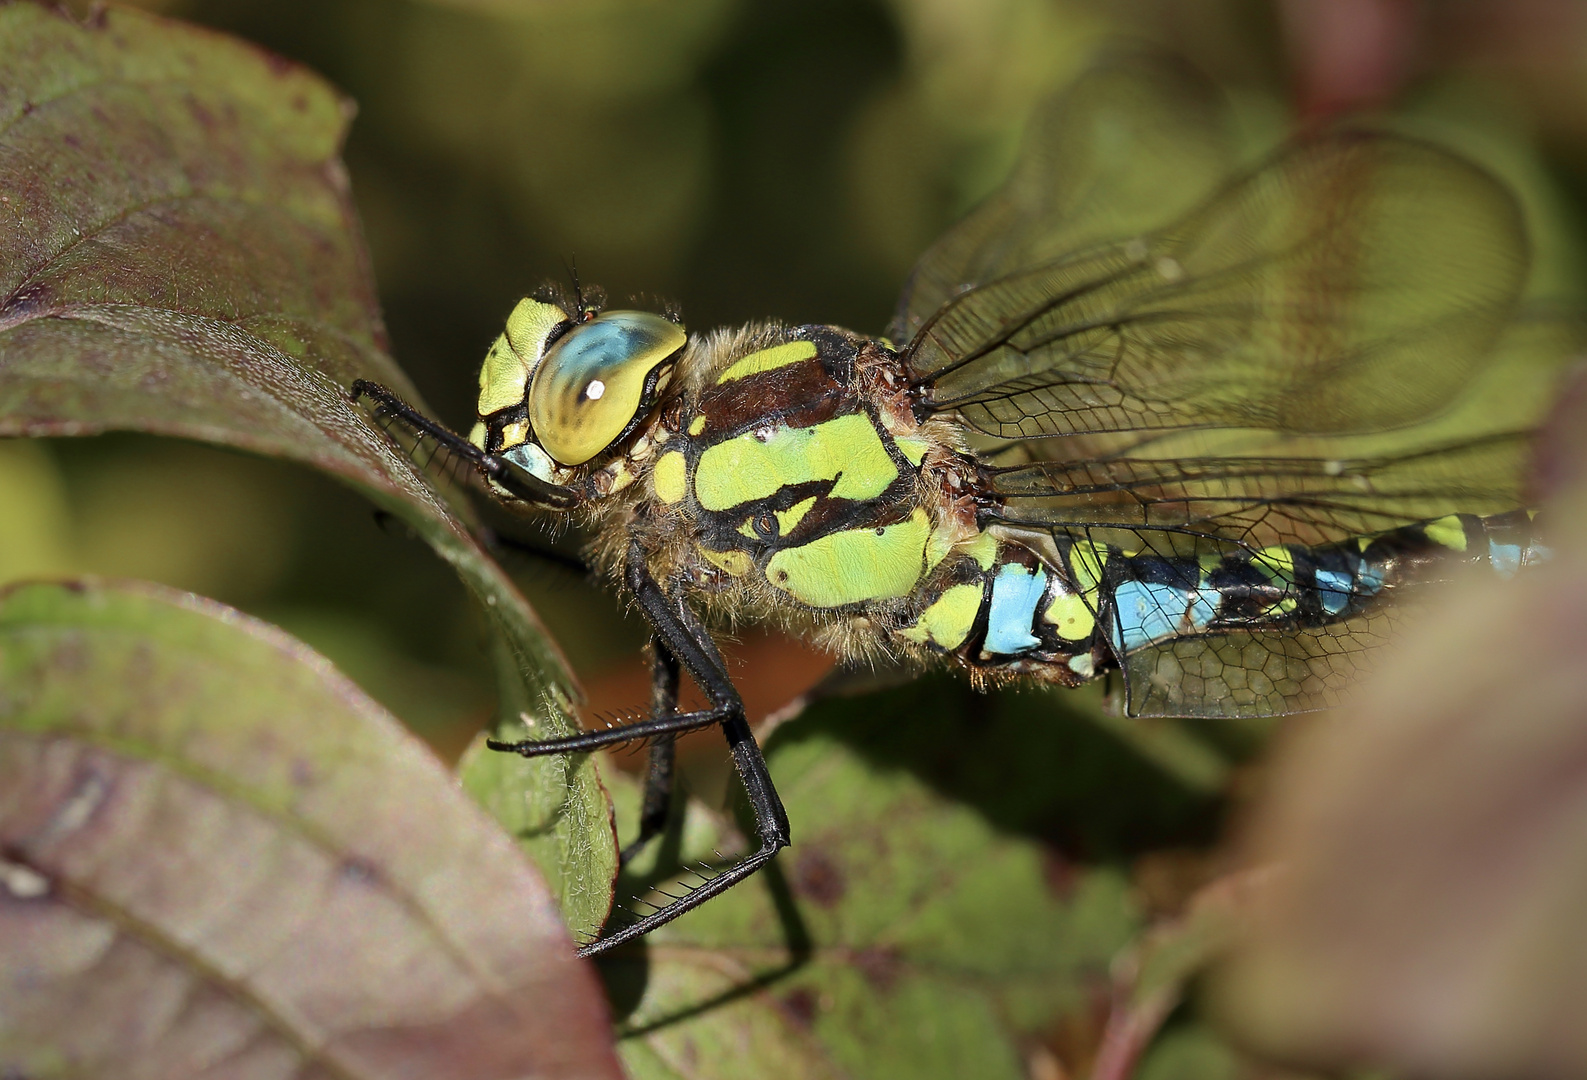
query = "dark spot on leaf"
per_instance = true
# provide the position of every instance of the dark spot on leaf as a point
(300, 103)
(817, 878)
(72, 140)
(33, 301)
(359, 871)
(201, 114)
(1059, 872)
(302, 773)
(879, 967)
(799, 1006)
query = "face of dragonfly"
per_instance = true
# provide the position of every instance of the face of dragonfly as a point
(556, 392)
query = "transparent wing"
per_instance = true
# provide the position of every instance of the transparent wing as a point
(1134, 143)
(1253, 664)
(1327, 346)
(1254, 488)
(1356, 283)
(1255, 673)
(1185, 497)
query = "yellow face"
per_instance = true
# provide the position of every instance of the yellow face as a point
(559, 392)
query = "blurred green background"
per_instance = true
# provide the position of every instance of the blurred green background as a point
(741, 158)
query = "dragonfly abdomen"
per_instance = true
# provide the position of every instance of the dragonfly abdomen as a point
(1082, 606)
(1148, 598)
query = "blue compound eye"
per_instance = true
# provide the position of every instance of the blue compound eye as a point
(595, 380)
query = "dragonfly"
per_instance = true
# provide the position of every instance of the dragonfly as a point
(1207, 429)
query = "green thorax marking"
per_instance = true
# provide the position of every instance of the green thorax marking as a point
(759, 463)
(854, 566)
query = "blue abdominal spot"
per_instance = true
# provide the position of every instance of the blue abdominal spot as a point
(1145, 612)
(1334, 588)
(1504, 558)
(1015, 593)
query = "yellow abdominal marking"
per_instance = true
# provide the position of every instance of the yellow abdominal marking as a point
(697, 425)
(855, 565)
(1086, 563)
(757, 464)
(948, 620)
(1447, 532)
(1071, 617)
(1277, 562)
(769, 360)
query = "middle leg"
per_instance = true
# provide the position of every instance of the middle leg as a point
(659, 776)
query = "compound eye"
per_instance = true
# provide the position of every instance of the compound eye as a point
(596, 381)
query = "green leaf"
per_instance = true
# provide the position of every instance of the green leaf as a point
(902, 934)
(278, 882)
(178, 255)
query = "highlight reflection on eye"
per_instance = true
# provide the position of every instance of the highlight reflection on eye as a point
(594, 382)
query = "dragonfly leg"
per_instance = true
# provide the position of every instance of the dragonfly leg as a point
(660, 727)
(685, 637)
(657, 804)
(512, 478)
(681, 636)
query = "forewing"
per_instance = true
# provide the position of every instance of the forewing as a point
(1255, 487)
(1355, 283)
(1132, 144)
(1199, 496)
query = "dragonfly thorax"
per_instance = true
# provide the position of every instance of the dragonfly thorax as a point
(788, 478)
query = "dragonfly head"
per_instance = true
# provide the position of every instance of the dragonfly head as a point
(556, 391)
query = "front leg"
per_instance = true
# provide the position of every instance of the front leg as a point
(682, 634)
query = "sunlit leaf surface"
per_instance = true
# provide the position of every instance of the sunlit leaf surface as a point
(282, 883)
(178, 255)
